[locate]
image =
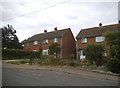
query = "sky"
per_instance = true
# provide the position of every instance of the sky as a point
(30, 17)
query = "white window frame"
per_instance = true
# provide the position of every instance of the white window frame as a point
(35, 50)
(45, 41)
(55, 40)
(35, 42)
(84, 40)
(45, 52)
(100, 38)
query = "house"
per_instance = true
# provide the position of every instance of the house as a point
(93, 35)
(63, 37)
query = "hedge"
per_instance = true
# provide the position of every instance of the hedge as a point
(8, 54)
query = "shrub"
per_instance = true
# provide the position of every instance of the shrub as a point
(18, 54)
(95, 53)
(73, 63)
(72, 56)
(114, 65)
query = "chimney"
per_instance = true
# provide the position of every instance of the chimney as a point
(100, 24)
(118, 21)
(55, 29)
(45, 31)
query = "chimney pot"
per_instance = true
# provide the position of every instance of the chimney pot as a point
(55, 28)
(119, 21)
(100, 24)
(45, 31)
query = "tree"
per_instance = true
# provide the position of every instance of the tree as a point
(113, 41)
(55, 49)
(9, 38)
(95, 53)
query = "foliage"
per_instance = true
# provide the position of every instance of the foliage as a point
(72, 56)
(18, 61)
(95, 53)
(55, 49)
(9, 38)
(19, 54)
(113, 40)
(114, 65)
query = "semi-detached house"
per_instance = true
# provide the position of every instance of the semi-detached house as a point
(93, 35)
(63, 37)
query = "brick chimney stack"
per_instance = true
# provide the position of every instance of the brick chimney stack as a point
(45, 31)
(55, 29)
(100, 24)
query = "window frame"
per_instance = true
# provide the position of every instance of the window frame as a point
(84, 40)
(45, 41)
(35, 42)
(99, 38)
(55, 40)
(45, 52)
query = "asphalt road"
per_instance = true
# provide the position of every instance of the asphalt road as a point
(33, 77)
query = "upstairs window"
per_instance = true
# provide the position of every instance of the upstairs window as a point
(35, 42)
(84, 40)
(55, 40)
(100, 39)
(45, 41)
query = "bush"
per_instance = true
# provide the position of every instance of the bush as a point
(73, 63)
(8, 54)
(114, 65)
(95, 53)
(72, 56)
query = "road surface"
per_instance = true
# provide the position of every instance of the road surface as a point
(43, 77)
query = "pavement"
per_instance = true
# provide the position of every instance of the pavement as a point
(66, 69)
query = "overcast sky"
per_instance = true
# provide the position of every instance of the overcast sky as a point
(29, 17)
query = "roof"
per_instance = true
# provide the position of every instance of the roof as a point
(48, 35)
(97, 31)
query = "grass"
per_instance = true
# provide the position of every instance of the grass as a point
(56, 62)
(18, 61)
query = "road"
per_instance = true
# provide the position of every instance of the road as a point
(43, 77)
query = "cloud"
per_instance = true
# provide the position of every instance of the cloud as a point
(76, 14)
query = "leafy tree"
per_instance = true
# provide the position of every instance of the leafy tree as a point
(54, 49)
(9, 38)
(113, 40)
(95, 53)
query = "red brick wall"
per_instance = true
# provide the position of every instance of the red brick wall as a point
(50, 42)
(31, 47)
(68, 44)
(81, 45)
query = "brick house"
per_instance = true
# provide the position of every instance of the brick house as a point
(43, 40)
(93, 35)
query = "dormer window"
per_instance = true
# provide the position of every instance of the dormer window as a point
(55, 40)
(35, 42)
(84, 40)
(45, 41)
(99, 39)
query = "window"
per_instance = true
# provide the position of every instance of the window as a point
(45, 41)
(45, 52)
(55, 40)
(99, 38)
(35, 42)
(84, 40)
(35, 50)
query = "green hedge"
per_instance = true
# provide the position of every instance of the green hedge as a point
(8, 54)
